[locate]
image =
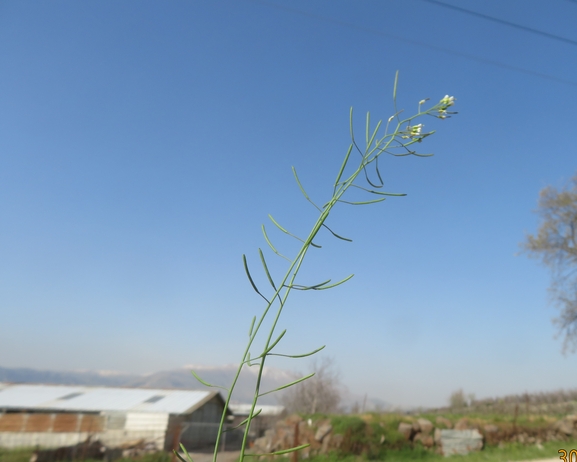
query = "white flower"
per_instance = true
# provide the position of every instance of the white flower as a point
(447, 101)
(416, 130)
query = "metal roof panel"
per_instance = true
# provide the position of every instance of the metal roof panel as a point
(96, 399)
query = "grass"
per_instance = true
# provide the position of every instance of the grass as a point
(509, 453)
(23, 455)
(15, 455)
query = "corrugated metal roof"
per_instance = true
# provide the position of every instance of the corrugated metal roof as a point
(266, 409)
(78, 398)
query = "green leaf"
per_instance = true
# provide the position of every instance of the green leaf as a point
(183, 449)
(363, 203)
(298, 356)
(250, 279)
(272, 246)
(337, 283)
(244, 421)
(301, 287)
(336, 235)
(279, 453)
(302, 379)
(381, 193)
(206, 384)
(345, 161)
(266, 269)
(275, 343)
(277, 225)
(303, 189)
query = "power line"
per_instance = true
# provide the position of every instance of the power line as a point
(417, 43)
(502, 21)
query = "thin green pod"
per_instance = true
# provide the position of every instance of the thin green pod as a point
(266, 269)
(280, 453)
(302, 379)
(206, 384)
(343, 166)
(298, 356)
(364, 202)
(336, 283)
(244, 421)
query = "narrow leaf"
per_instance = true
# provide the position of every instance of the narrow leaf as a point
(301, 287)
(303, 189)
(277, 225)
(206, 384)
(244, 421)
(365, 202)
(251, 326)
(298, 356)
(336, 283)
(266, 270)
(336, 235)
(370, 142)
(250, 278)
(183, 449)
(279, 453)
(344, 163)
(272, 246)
(275, 343)
(381, 193)
(302, 379)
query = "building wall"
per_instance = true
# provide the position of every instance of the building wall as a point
(24, 429)
(200, 428)
(113, 429)
(52, 430)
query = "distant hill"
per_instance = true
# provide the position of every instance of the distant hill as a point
(172, 379)
(182, 379)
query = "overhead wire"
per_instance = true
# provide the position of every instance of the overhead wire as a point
(418, 43)
(503, 22)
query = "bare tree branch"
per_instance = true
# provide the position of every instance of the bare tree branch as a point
(555, 245)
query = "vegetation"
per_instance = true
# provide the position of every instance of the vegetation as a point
(319, 394)
(555, 244)
(396, 137)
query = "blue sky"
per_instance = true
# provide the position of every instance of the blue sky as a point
(142, 144)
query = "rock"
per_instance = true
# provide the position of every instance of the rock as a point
(444, 422)
(323, 431)
(460, 441)
(426, 440)
(437, 436)
(336, 441)
(426, 426)
(416, 427)
(405, 429)
(326, 444)
(490, 428)
(463, 424)
(564, 426)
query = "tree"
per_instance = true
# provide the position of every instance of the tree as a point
(321, 393)
(457, 400)
(555, 244)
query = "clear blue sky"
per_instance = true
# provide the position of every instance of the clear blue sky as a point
(143, 143)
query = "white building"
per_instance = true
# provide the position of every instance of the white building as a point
(52, 416)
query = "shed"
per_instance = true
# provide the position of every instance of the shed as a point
(54, 415)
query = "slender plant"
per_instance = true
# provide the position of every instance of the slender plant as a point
(397, 137)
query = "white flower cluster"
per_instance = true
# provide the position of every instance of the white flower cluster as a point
(445, 103)
(413, 131)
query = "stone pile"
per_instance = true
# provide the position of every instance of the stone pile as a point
(445, 438)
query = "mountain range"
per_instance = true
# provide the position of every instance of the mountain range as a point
(181, 378)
